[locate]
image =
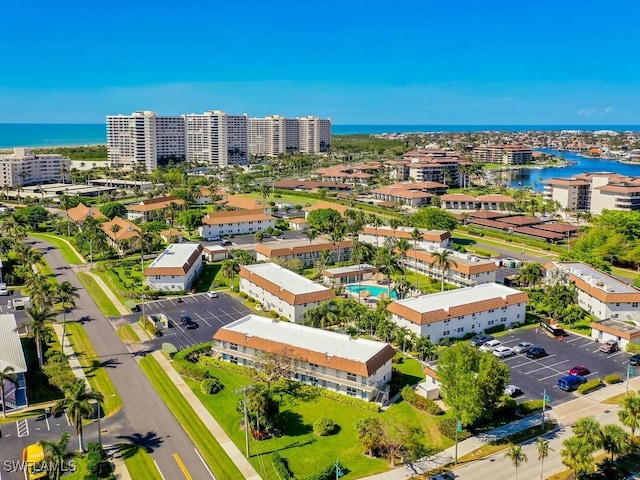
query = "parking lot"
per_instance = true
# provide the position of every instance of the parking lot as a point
(533, 376)
(208, 313)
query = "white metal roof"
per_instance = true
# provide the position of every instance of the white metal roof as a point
(285, 279)
(350, 269)
(175, 255)
(455, 298)
(11, 354)
(314, 339)
(597, 278)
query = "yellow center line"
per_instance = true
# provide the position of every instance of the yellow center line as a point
(178, 460)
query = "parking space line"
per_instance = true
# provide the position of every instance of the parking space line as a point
(615, 354)
(202, 319)
(548, 377)
(574, 340)
(22, 426)
(547, 367)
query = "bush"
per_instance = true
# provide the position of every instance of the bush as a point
(281, 466)
(211, 385)
(412, 398)
(170, 349)
(192, 354)
(633, 347)
(495, 329)
(447, 428)
(612, 378)
(530, 406)
(205, 362)
(590, 386)
(323, 426)
(338, 397)
(190, 370)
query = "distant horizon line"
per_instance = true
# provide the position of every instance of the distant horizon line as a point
(396, 124)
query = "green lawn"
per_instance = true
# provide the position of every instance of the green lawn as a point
(213, 454)
(57, 241)
(95, 372)
(211, 277)
(305, 452)
(141, 466)
(113, 279)
(292, 199)
(104, 304)
(128, 335)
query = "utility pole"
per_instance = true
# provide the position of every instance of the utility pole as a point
(545, 400)
(244, 391)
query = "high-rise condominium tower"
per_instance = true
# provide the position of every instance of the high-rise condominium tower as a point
(217, 139)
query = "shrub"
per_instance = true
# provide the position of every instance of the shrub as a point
(205, 362)
(530, 406)
(274, 314)
(633, 348)
(323, 426)
(243, 295)
(170, 349)
(448, 428)
(495, 329)
(148, 325)
(190, 370)
(281, 466)
(612, 378)
(590, 386)
(419, 402)
(211, 385)
(338, 397)
(192, 354)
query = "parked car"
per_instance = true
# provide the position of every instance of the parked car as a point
(225, 243)
(478, 340)
(635, 360)
(443, 476)
(523, 347)
(502, 352)
(571, 382)
(579, 370)
(609, 346)
(490, 345)
(186, 322)
(512, 390)
(536, 352)
(212, 294)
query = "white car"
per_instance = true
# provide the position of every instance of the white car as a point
(502, 352)
(212, 294)
(3, 289)
(490, 345)
(523, 347)
(512, 390)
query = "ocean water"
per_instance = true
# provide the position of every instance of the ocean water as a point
(58, 134)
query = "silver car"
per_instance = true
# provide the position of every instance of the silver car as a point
(523, 347)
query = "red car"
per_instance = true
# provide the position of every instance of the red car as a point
(579, 370)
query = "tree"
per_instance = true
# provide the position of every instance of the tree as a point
(262, 406)
(324, 219)
(311, 235)
(416, 235)
(403, 247)
(259, 236)
(434, 218)
(336, 236)
(445, 262)
(471, 382)
(629, 414)
(66, 294)
(517, 456)
(191, 219)
(577, 455)
(530, 274)
(7, 374)
(275, 366)
(370, 434)
(542, 446)
(229, 269)
(57, 456)
(588, 429)
(77, 404)
(40, 289)
(40, 327)
(615, 440)
(113, 209)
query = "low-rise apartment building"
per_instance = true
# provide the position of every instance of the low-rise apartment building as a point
(601, 294)
(81, 212)
(280, 290)
(359, 368)
(429, 239)
(23, 167)
(308, 253)
(145, 209)
(462, 202)
(119, 230)
(12, 355)
(468, 271)
(349, 274)
(504, 154)
(455, 313)
(236, 222)
(176, 268)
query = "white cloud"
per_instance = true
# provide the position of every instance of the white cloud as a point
(594, 112)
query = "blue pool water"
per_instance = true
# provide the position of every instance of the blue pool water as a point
(374, 289)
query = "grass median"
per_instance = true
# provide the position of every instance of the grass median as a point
(214, 455)
(68, 253)
(142, 467)
(95, 372)
(104, 304)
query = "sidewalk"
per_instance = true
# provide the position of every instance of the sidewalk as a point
(216, 430)
(107, 291)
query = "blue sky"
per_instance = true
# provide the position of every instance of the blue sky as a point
(358, 62)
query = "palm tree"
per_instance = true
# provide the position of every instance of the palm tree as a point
(56, 454)
(517, 456)
(40, 289)
(543, 452)
(577, 455)
(588, 430)
(76, 403)
(370, 433)
(615, 440)
(394, 223)
(6, 375)
(40, 327)
(66, 293)
(530, 274)
(311, 235)
(416, 235)
(229, 269)
(336, 236)
(403, 247)
(444, 261)
(376, 222)
(265, 191)
(629, 415)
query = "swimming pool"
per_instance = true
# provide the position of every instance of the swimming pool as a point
(374, 289)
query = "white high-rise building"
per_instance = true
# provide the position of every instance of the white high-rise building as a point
(217, 139)
(315, 134)
(267, 136)
(143, 138)
(23, 167)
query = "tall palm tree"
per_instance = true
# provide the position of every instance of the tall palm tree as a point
(577, 455)
(56, 454)
(517, 456)
(416, 235)
(445, 262)
(229, 269)
(588, 429)
(336, 236)
(376, 222)
(530, 274)
(40, 290)
(629, 414)
(76, 402)
(403, 247)
(7, 374)
(66, 293)
(311, 235)
(394, 223)
(40, 327)
(543, 452)
(615, 440)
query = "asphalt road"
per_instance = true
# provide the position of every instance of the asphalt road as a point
(151, 422)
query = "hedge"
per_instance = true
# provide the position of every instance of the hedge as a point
(190, 370)
(530, 406)
(339, 397)
(495, 329)
(281, 466)
(590, 386)
(195, 351)
(612, 378)
(148, 325)
(412, 398)
(97, 465)
(448, 428)
(205, 361)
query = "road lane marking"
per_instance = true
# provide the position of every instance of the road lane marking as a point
(155, 463)
(182, 466)
(205, 464)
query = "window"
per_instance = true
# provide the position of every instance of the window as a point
(352, 376)
(233, 346)
(460, 329)
(313, 365)
(352, 392)
(446, 332)
(490, 322)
